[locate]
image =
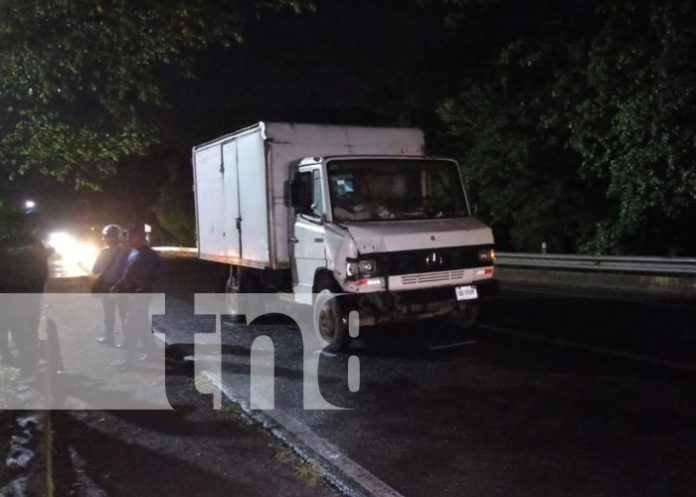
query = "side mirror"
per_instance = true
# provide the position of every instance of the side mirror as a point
(301, 195)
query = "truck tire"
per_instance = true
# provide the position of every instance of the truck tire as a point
(331, 321)
(246, 284)
(465, 316)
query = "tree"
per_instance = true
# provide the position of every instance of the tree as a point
(81, 79)
(630, 108)
(505, 129)
(518, 177)
(580, 128)
(175, 211)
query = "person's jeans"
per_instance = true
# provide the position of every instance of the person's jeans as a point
(21, 314)
(137, 327)
(111, 303)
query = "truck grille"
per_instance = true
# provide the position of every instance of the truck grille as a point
(432, 261)
(415, 279)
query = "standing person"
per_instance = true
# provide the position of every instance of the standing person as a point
(142, 270)
(110, 265)
(23, 270)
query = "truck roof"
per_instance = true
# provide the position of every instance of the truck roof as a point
(392, 140)
(315, 160)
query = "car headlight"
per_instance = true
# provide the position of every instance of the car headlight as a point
(364, 268)
(487, 255)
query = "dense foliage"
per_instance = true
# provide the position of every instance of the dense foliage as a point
(175, 209)
(80, 79)
(571, 117)
(579, 132)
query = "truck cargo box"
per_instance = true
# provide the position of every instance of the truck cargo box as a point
(241, 217)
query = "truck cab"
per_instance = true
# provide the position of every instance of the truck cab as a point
(394, 235)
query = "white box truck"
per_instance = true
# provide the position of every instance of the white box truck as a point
(357, 211)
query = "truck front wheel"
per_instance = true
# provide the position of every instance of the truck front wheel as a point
(465, 316)
(331, 321)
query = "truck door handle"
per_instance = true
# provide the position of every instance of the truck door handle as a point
(319, 240)
(294, 239)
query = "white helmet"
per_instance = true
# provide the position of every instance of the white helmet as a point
(112, 231)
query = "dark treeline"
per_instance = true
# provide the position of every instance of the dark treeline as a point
(578, 127)
(571, 118)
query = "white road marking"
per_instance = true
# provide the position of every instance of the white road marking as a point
(87, 485)
(592, 348)
(317, 451)
(324, 353)
(452, 345)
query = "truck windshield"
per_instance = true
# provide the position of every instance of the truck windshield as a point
(393, 189)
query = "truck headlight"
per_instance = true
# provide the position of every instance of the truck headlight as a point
(487, 255)
(364, 268)
(367, 267)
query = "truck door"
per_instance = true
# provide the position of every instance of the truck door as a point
(308, 235)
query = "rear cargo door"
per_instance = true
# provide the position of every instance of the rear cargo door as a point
(217, 204)
(230, 199)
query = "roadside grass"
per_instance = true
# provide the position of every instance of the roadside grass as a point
(203, 384)
(230, 408)
(304, 472)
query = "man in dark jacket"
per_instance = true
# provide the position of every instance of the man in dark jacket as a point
(143, 268)
(23, 270)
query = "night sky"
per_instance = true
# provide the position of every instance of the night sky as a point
(357, 62)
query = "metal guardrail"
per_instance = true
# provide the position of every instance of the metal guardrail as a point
(656, 266)
(668, 266)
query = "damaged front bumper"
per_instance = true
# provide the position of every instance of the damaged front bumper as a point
(394, 306)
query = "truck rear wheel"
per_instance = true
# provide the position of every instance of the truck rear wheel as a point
(238, 283)
(331, 321)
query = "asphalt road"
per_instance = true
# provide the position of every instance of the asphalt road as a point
(190, 450)
(554, 395)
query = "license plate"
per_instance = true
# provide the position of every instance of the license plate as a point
(466, 292)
